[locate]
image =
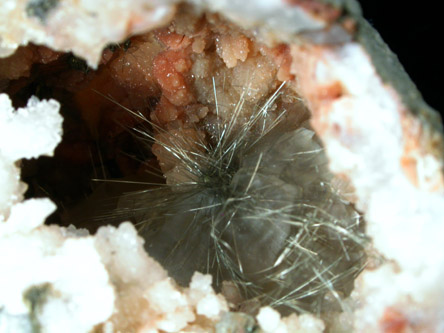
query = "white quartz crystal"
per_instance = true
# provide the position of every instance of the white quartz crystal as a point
(39, 120)
(270, 321)
(58, 283)
(24, 133)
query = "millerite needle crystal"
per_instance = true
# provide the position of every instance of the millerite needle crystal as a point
(250, 202)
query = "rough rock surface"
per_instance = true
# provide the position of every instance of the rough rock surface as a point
(83, 27)
(371, 136)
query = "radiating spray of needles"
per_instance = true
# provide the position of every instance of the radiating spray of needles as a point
(250, 200)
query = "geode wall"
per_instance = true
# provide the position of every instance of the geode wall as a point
(380, 138)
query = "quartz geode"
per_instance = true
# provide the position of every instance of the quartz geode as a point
(378, 134)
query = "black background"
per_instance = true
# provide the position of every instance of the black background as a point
(415, 34)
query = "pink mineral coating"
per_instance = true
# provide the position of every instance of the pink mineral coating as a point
(325, 12)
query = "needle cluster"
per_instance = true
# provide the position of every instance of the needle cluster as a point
(254, 206)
